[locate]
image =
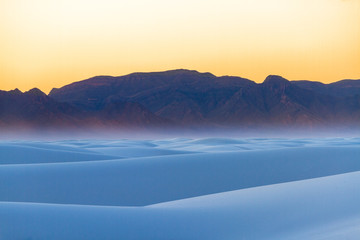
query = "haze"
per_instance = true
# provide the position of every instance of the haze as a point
(50, 43)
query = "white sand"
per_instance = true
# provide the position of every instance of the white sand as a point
(180, 189)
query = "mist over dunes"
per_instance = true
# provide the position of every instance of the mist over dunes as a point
(184, 98)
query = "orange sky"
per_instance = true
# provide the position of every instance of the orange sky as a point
(50, 43)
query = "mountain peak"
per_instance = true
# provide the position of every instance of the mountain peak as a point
(275, 80)
(191, 71)
(35, 92)
(15, 91)
(177, 72)
(53, 90)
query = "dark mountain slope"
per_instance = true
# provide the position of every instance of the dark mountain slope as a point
(180, 95)
(34, 109)
(184, 98)
(343, 88)
(193, 98)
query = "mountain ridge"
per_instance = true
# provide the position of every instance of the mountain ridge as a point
(184, 98)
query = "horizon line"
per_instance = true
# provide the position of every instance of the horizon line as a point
(174, 70)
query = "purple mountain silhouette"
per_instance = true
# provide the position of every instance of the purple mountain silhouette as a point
(184, 98)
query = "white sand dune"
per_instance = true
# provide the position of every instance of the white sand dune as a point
(161, 189)
(143, 181)
(321, 208)
(22, 154)
(127, 152)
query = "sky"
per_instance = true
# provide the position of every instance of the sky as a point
(51, 43)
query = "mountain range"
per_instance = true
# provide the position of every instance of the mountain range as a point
(183, 98)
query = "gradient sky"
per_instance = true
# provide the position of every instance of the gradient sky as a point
(50, 43)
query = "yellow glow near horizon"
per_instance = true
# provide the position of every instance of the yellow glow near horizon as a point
(50, 43)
